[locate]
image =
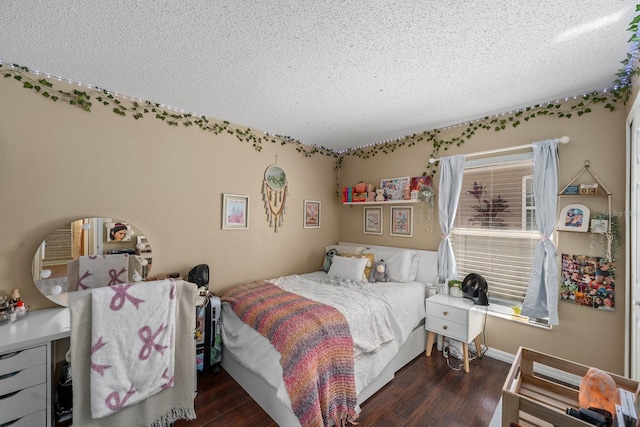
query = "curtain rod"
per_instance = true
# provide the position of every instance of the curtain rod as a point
(563, 140)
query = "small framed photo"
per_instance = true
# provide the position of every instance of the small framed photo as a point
(600, 226)
(311, 214)
(372, 220)
(420, 182)
(235, 212)
(574, 217)
(401, 221)
(118, 232)
(394, 187)
(571, 189)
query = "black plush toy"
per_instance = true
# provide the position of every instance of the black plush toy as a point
(328, 257)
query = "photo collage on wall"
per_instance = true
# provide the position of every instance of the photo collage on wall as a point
(588, 281)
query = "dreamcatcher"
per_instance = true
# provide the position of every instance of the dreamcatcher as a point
(274, 194)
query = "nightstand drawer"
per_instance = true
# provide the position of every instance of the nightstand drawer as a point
(447, 312)
(448, 328)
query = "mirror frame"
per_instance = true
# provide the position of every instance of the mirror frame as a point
(51, 276)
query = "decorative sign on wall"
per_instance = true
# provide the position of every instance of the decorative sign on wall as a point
(588, 281)
(274, 193)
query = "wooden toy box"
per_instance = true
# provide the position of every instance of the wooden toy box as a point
(532, 398)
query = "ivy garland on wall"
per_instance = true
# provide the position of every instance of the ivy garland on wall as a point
(138, 109)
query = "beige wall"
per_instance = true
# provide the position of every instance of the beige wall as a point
(59, 163)
(585, 335)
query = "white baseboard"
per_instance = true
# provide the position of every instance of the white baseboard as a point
(541, 369)
(500, 355)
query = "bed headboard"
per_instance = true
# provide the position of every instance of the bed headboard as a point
(427, 264)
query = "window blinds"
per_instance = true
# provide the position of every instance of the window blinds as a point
(494, 233)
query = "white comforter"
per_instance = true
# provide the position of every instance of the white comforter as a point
(380, 315)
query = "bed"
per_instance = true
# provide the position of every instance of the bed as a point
(395, 336)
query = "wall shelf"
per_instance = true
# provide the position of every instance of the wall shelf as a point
(388, 202)
(603, 192)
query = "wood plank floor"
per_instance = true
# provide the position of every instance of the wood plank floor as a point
(426, 392)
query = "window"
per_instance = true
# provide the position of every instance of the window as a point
(494, 233)
(529, 204)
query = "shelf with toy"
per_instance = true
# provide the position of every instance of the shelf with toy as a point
(386, 202)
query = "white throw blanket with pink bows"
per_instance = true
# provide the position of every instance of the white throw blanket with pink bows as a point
(96, 271)
(132, 343)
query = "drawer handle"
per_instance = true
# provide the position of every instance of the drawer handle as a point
(10, 423)
(445, 313)
(9, 355)
(9, 375)
(445, 327)
(6, 396)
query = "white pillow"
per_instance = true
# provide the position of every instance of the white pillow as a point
(347, 249)
(348, 268)
(398, 262)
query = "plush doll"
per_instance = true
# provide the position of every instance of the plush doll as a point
(380, 195)
(328, 257)
(379, 272)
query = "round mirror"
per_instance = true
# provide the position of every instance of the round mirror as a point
(275, 177)
(89, 253)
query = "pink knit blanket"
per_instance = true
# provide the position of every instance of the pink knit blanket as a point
(315, 345)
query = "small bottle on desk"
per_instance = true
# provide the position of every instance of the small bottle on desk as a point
(20, 309)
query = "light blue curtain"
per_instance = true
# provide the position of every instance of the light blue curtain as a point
(451, 172)
(542, 293)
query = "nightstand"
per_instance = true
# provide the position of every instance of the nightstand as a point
(456, 318)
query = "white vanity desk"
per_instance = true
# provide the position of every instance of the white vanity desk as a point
(26, 366)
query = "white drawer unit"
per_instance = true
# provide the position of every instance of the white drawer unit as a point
(456, 318)
(24, 386)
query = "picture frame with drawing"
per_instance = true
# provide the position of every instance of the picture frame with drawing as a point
(574, 217)
(401, 221)
(235, 212)
(311, 214)
(372, 220)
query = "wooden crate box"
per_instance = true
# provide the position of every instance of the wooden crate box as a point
(529, 399)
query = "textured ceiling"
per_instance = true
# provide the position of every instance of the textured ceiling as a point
(338, 74)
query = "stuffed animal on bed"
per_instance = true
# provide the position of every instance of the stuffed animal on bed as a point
(328, 257)
(379, 272)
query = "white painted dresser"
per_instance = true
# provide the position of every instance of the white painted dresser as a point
(26, 367)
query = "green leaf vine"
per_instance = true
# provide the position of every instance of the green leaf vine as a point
(122, 106)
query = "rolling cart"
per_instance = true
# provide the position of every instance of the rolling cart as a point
(208, 334)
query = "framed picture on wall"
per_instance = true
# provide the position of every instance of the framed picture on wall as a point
(235, 212)
(574, 217)
(372, 220)
(311, 214)
(401, 221)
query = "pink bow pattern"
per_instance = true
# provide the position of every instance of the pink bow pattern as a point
(144, 334)
(118, 300)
